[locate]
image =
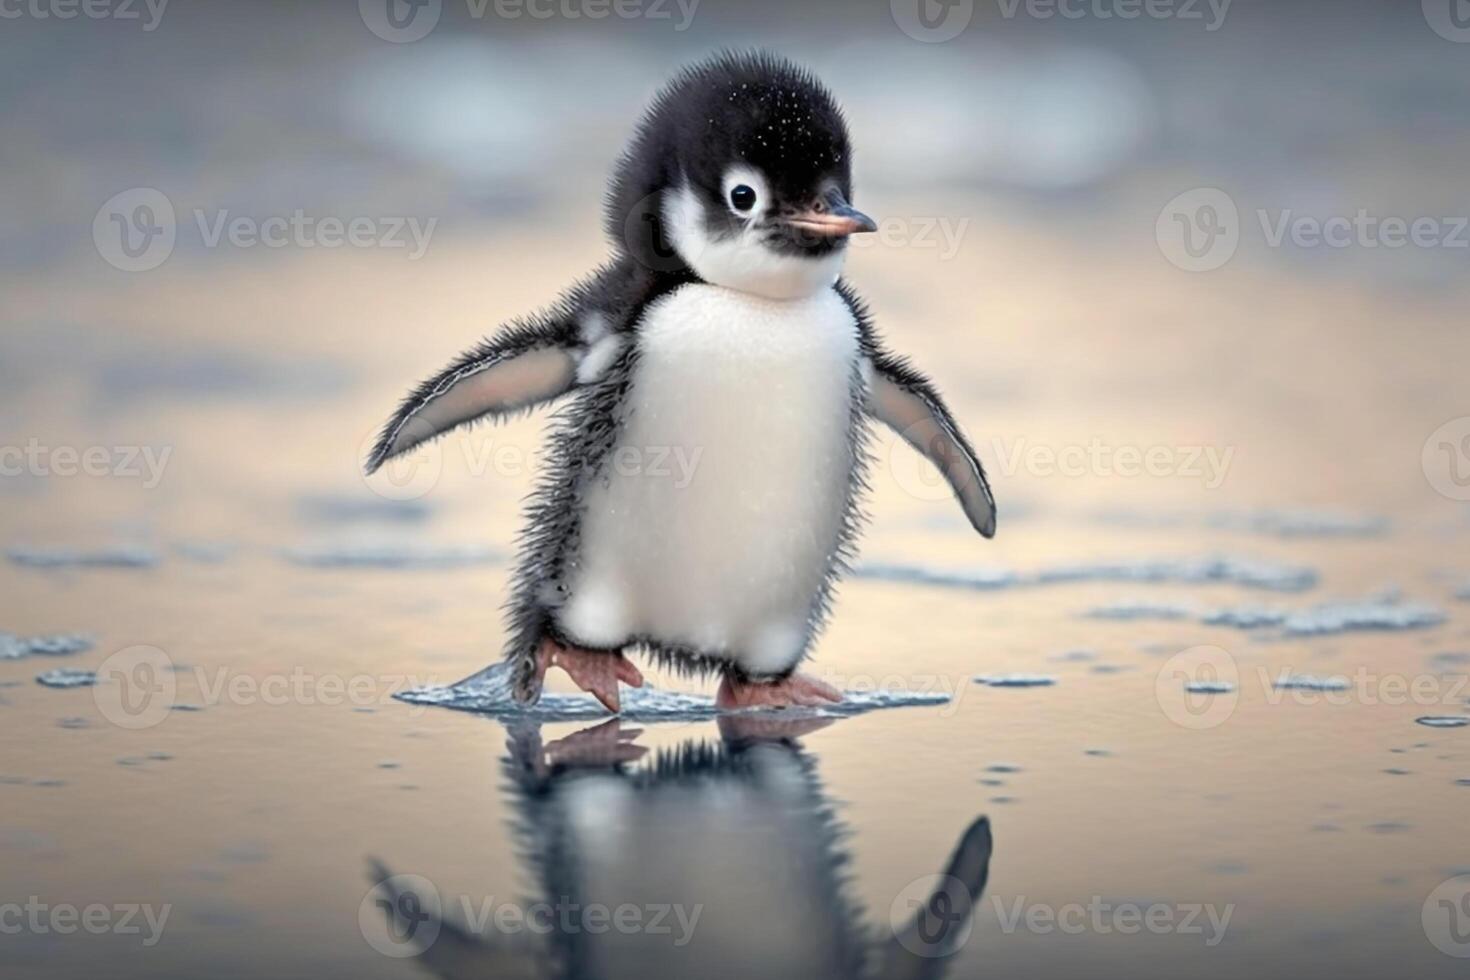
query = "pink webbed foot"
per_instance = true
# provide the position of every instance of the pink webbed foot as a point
(595, 671)
(798, 690)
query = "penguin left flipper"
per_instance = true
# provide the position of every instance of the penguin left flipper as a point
(908, 403)
(527, 364)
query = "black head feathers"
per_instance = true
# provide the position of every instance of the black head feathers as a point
(751, 108)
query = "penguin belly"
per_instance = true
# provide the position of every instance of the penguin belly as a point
(716, 518)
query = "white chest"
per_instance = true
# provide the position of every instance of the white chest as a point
(724, 499)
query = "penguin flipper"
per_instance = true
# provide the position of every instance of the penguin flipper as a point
(525, 365)
(921, 950)
(908, 402)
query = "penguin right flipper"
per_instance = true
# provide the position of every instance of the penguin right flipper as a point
(529, 363)
(921, 950)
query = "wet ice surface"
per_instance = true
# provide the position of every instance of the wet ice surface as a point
(1310, 682)
(108, 557)
(1016, 680)
(391, 555)
(1247, 572)
(56, 645)
(490, 694)
(67, 677)
(1387, 614)
(1272, 523)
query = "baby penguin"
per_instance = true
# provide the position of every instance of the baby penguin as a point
(718, 335)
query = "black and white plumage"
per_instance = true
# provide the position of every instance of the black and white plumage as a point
(718, 338)
(738, 836)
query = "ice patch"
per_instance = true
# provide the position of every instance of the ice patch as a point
(1237, 571)
(490, 694)
(56, 645)
(1131, 609)
(983, 578)
(1444, 721)
(345, 509)
(1271, 523)
(1245, 617)
(396, 555)
(205, 552)
(118, 557)
(1380, 613)
(1371, 614)
(1016, 680)
(67, 677)
(1309, 682)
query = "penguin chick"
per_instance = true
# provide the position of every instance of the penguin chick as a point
(702, 493)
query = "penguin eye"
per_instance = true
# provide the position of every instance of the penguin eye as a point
(742, 196)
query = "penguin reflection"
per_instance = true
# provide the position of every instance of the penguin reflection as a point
(729, 851)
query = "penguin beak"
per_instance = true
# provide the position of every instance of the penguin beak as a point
(832, 217)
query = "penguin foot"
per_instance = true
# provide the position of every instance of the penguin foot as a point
(595, 671)
(798, 690)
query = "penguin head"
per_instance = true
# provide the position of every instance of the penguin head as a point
(741, 174)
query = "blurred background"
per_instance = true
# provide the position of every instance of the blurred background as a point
(1192, 274)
